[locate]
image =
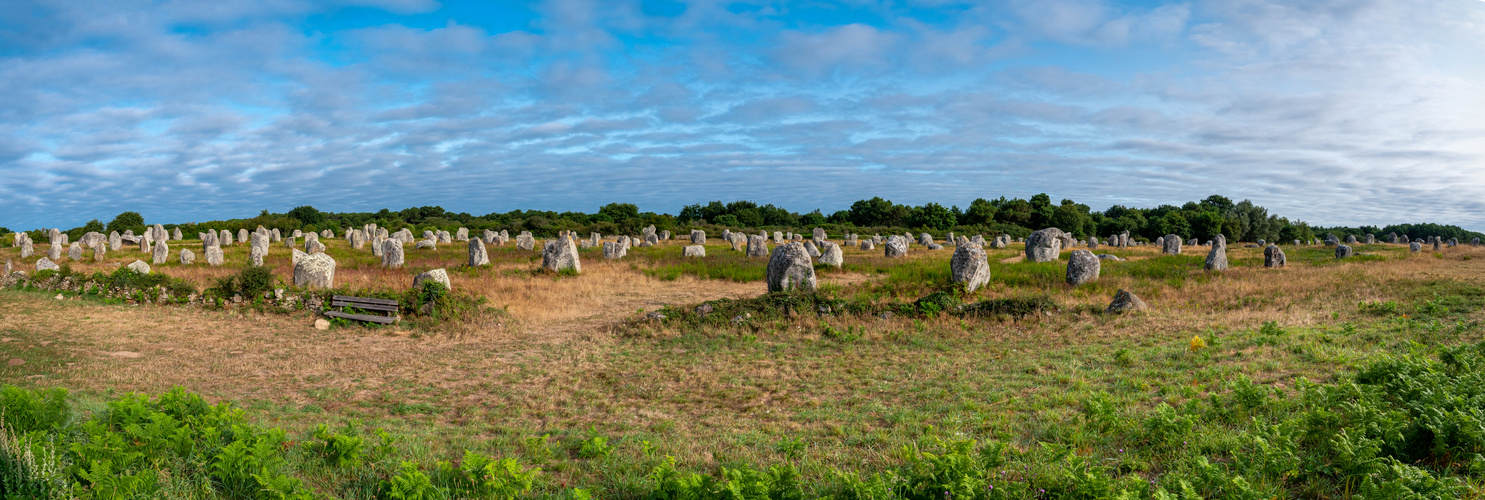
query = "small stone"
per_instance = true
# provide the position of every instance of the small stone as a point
(704, 309)
(139, 266)
(322, 324)
(1126, 302)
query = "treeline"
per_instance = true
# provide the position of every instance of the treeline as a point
(1240, 221)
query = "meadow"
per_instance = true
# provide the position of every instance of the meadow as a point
(1329, 378)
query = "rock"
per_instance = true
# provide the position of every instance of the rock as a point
(969, 266)
(831, 254)
(74, 251)
(665, 235)
(461, 234)
(1343, 251)
(895, 248)
(54, 251)
(1217, 258)
(175, 234)
(115, 242)
(1436, 243)
(1115, 258)
(1126, 302)
(698, 237)
(738, 241)
(9, 268)
(1044, 245)
(559, 255)
(392, 253)
(613, 250)
(314, 271)
(1371, 239)
(214, 256)
(868, 245)
(100, 252)
(818, 234)
(314, 246)
(704, 309)
(809, 247)
(225, 238)
(436, 276)
(1171, 245)
(445, 238)
(790, 269)
(1415, 247)
(1082, 267)
(1350, 239)
(757, 246)
(187, 257)
(1392, 238)
(427, 245)
(694, 251)
(477, 255)
(525, 241)
(1273, 257)
(322, 324)
(139, 266)
(46, 263)
(161, 253)
(242, 235)
(258, 249)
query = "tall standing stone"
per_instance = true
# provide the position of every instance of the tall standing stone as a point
(1217, 258)
(115, 242)
(392, 253)
(895, 248)
(462, 234)
(100, 252)
(559, 255)
(258, 250)
(790, 269)
(74, 251)
(970, 267)
(1171, 245)
(818, 234)
(161, 253)
(54, 251)
(187, 257)
(1044, 245)
(757, 246)
(477, 255)
(698, 237)
(1371, 239)
(1273, 257)
(226, 238)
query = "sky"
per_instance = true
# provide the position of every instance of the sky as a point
(1362, 112)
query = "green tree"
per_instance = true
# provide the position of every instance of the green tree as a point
(933, 216)
(127, 221)
(619, 211)
(310, 216)
(981, 212)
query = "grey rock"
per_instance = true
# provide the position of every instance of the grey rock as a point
(392, 257)
(559, 255)
(1415, 247)
(1044, 245)
(1350, 239)
(934, 246)
(1082, 267)
(74, 251)
(970, 267)
(214, 256)
(1343, 251)
(757, 246)
(896, 247)
(1273, 257)
(427, 245)
(100, 252)
(698, 237)
(1217, 258)
(613, 250)
(313, 247)
(1105, 256)
(778, 237)
(44, 263)
(525, 241)
(1392, 238)
(187, 257)
(242, 235)
(54, 251)
(809, 247)
(462, 234)
(819, 234)
(1371, 239)
(138, 266)
(694, 251)
(1171, 245)
(1125, 301)
(314, 271)
(115, 242)
(435, 276)
(161, 253)
(790, 268)
(477, 255)
(831, 254)
(175, 234)
(868, 245)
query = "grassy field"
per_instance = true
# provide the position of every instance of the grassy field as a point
(1252, 383)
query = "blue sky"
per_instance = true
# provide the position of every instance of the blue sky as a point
(1334, 112)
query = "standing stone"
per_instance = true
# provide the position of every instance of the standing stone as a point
(139, 266)
(258, 250)
(54, 251)
(175, 234)
(100, 252)
(1044, 245)
(444, 237)
(1126, 302)
(1343, 251)
(790, 269)
(969, 266)
(868, 245)
(277, 235)
(427, 244)
(290, 243)
(1371, 239)
(26, 249)
(525, 241)
(694, 251)
(757, 246)
(1273, 257)
(1350, 239)
(1392, 238)
(115, 242)
(819, 234)
(698, 237)
(1475, 242)
(439, 275)
(161, 253)
(314, 247)
(1092, 243)
(1415, 247)
(561, 254)
(778, 237)
(392, 253)
(737, 240)
(75, 251)
(1217, 258)
(46, 263)
(1082, 267)
(314, 271)
(226, 238)
(9, 268)
(214, 256)
(1171, 245)
(187, 257)
(462, 234)
(242, 235)
(809, 247)
(665, 235)
(477, 255)
(1436, 243)
(895, 248)
(613, 250)
(831, 254)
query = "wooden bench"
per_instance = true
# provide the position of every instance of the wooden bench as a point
(365, 304)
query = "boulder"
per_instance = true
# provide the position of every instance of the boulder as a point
(1171, 245)
(1415, 247)
(613, 250)
(1217, 258)
(970, 267)
(560, 255)
(831, 254)
(895, 247)
(790, 268)
(810, 248)
(1350, 239)
(242, 235)
(1126, 302)
(525, 241)
(1436, 243)
(225, 238)
(1082, 267)
(138, 266)
(54, 251)
(462, 234)
(757, 246)
(1273, 257)
(435, 276)
(778, 237)
(74, 251)
(392, 253)
(1105, 256)
(694, 251)
(115, 242)
(1370, 239)
(313, 270)
(161, 253)
(100, 252)
(187, 257)
(1343, 251)
(46, 263)
(818, 234)
(214, 256)
(427, 245)
(313, 247)
(175, 234)
(477, 255)
(739, 241)
(868, 245)
(1044, 245)
(665, 235)
(445, 238)
(698, 237)
(1392, 238)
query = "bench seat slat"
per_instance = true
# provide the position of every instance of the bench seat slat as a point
(368, 307)
(362, 317)
(365, 300)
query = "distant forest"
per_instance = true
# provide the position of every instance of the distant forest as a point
(1240, 221)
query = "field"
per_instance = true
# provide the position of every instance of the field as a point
(860, 390)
